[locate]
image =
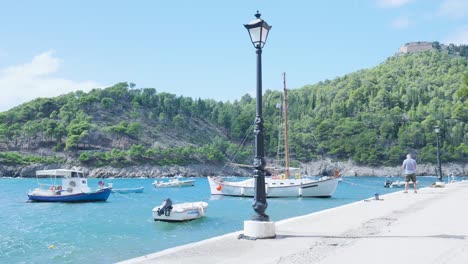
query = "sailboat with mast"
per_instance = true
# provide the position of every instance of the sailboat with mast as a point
(281, 184)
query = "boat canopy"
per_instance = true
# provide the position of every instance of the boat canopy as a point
(61, 173)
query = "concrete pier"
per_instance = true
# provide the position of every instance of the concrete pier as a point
(430, 226)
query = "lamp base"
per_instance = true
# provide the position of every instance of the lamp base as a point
(258, 229)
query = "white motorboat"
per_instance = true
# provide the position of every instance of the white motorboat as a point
(173, 183)
(168, 212)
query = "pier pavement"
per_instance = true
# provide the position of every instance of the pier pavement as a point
(428, 227)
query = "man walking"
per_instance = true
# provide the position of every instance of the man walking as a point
(409, 165)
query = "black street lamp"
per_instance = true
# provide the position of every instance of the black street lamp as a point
(439, 166)
(258, 31)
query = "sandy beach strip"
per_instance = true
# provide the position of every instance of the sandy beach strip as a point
(428, 227)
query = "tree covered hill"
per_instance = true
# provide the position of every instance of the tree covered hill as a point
(117, 125)
(373, 116)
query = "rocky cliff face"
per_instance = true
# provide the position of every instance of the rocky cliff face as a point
(325, 167)
(197, 170)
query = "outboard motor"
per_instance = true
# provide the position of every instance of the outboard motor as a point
(165, 208)
(388, 184)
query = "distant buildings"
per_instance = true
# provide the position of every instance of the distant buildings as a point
(419, 46)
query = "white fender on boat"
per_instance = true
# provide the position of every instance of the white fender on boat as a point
(201, 211)
(266, 188)
(242, 191)
(299, 191)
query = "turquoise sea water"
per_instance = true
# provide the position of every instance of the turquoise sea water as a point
(123, 228)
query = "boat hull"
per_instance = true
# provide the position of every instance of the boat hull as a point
(97, 196)
(182, 212)
(129, 190)
(276, 187)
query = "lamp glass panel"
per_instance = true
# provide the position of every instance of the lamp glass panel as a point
(264, 35)
(255, 35)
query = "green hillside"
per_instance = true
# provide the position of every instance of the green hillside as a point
(373, 116)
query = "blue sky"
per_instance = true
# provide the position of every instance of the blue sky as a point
(200, 48)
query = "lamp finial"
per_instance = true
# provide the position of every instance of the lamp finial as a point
(258, 15)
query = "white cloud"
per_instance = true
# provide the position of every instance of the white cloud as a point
(454, 8)
(41, 64)
(25, 82)
(393, 3)
(400, 22)
(458, 37)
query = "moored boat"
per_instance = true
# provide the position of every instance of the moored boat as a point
(397, 184)
(438, 184)
(302, 187)
(72, 188)
(173, 183)
(128, 190)
(283, 184)
(168, 212)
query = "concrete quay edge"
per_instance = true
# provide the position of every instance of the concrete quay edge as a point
(428, 227)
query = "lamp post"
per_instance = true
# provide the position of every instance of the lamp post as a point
(258, 30)
(439, 167)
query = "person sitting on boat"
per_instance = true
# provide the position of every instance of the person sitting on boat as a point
(337, 173)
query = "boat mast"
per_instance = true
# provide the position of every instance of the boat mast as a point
(285, 118)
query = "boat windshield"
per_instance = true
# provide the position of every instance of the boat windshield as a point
(75, 174)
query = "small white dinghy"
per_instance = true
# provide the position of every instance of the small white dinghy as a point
(397, 184)
(168, 212)
(438, 184)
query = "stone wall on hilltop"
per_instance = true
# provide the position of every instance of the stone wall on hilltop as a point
(413, 47)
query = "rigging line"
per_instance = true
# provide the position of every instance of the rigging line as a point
(244, 139)
(241, 144)
(318, 144)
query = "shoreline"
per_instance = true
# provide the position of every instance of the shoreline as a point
(319, 168)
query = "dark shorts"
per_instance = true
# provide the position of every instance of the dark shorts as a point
(411, 177)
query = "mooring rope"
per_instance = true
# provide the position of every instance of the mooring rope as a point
(128, 197)
(362, 185)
